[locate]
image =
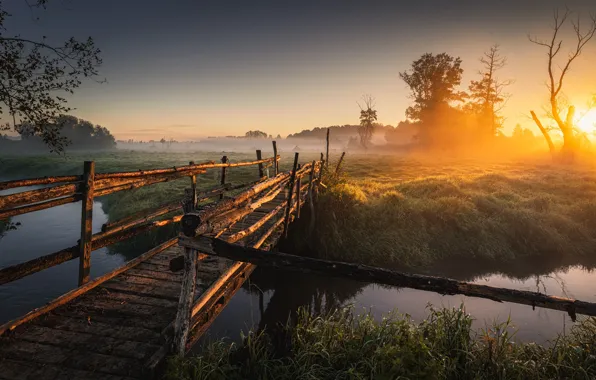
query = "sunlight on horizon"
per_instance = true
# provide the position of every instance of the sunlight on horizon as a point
(586, 121)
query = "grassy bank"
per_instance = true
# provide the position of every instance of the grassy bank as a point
(516, 218)
(344, 346)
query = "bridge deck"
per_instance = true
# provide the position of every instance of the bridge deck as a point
(117, 329)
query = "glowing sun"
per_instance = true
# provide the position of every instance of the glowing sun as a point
(587, 122)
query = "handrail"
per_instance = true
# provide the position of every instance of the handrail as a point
(90, 185)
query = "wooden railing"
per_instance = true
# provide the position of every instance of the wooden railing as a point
(221, 217)
(90, 185)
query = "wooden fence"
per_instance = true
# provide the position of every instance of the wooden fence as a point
(61, 190)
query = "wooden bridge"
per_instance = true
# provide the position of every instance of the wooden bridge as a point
(123, 325)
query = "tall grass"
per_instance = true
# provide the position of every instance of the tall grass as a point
(343, 345)
(516, 218)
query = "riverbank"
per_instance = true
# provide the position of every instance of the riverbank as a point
(519, 219)
(344, 346)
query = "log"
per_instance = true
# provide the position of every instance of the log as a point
(38, 181)
(135, 222)
(69, 296)
(86, 222)
(191, 221)
(37, 195)
(370, 274)
(291, 191)
(5, 214)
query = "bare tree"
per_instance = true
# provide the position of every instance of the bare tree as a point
(368, 116)
(556, 78)
(488, 96)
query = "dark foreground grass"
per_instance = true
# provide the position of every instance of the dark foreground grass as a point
(345, 346)
(516, 218)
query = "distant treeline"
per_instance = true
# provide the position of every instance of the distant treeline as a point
(78, 134)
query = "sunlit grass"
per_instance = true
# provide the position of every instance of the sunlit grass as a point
(343, 345)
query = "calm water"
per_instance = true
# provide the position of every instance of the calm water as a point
(47, 231)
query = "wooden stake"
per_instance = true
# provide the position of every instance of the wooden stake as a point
(311, 226)
(86, 222)
(291, 192)
(327, 154)
(261, 173)
(275, 162)
(339, 163)
(187, 292)
(298, 197)
(193, 187)
(224, 160)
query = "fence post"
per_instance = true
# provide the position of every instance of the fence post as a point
(261, 174)
(291, 192)
(224, 160)
(339, 162)
(275, 164)
(311, 177)
(86, 222)
(193, 187)
(327, 154)
(298, 195)
(187, 291)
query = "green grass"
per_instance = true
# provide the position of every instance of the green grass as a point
(343, 345)
(459, 218)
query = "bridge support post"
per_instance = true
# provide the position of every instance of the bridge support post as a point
(86, 222)
(187, 291)
(298, 196)
(275, 163)
(291, 192)
(193, 187)
(311, 178)
(224, 160)
(259, 157)
(327, 152)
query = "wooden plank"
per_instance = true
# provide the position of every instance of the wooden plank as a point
(153, 290)
(5, 214)
(92, 315)
(37, 195)
(69, 296)
(99, 329)
(5, 185)
(85, 247)
(93, 362)
(84, 342)
(23, 369)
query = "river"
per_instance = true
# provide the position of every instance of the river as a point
(49, 230)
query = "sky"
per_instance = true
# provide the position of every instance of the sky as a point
(187, 69)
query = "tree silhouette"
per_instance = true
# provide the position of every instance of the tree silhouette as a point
(557, 77)
(368, 115)
(487, 95)
(432, 80)
(34, 75)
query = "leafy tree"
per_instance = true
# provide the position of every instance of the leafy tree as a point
(487, 95)
(433, 81)
(35, 75)
(368, 115)
(556, 77)
(82, 134)
(255, 135)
